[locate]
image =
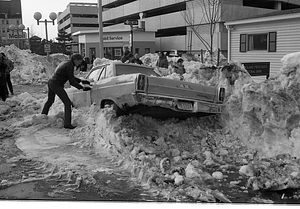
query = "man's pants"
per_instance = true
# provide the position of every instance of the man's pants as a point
(3, 92)
(9, 84)
(54, 89)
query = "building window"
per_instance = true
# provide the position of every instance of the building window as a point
(272, 41)
(243, 42)
(18, 22)
(255, 42)
(118, 52)
(7, 22)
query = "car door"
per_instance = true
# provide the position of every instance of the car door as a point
(83, 98)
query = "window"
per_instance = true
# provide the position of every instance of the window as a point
(258, 42)
(272, 41)
(243, 42)
(18, 22)
(118, 52)
(147, 50)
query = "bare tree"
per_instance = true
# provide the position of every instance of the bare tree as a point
(211, 16)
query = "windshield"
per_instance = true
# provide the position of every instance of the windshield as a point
(95, 73)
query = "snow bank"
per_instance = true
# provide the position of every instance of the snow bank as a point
(31, 68)
(259, 118)
(266, 115)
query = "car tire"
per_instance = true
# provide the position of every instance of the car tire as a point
(115, 107)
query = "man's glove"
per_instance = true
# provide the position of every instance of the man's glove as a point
(86, 88)
(85, 82)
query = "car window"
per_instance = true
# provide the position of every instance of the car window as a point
(126, 69)
(95, 73)
(102, 74)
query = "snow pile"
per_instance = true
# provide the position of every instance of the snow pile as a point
(99, 61)
(165, 156)
(173, 158)
(176, 157)
(266, 116)
(31, 68)
(277, 173)
(208, 60)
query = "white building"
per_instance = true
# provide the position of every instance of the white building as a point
(263, 40)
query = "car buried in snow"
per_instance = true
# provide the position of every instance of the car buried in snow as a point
(132, 88)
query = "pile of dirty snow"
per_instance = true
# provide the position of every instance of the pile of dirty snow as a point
(30, 68)
(266, 115)
(176, 158)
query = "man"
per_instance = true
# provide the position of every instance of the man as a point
(162, 60)
(2, 78)
(137, 59)
(9, 68)
(63, 73)
(127, 57)
(179, 67)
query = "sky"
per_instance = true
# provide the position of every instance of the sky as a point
(45, 7)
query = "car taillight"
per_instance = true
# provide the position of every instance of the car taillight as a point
(222, 94)
(141, 83)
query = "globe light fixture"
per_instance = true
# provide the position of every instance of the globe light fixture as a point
(53, 16)
(18, 28)
(12, 27)
(38, 17)
(21, 27)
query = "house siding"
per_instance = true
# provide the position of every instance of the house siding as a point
(288, 41)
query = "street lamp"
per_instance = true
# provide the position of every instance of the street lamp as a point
(18, 28)
(38, 16)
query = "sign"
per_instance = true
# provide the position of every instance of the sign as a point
(47, 48)
(17, 36)
(112, 38)
(258, 68)
(131, 22)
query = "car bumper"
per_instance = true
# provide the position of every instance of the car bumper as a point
(178, 104)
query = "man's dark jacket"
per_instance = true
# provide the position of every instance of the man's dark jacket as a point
(64, 72)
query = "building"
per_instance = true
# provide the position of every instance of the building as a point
(113, 42)
(167, 19)
(260, 42)
(78, 17)
(11, 13)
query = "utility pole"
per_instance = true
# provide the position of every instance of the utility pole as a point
(100, 29)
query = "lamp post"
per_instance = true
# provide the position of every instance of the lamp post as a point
(38, 16)
(52, 16)
(18, 28)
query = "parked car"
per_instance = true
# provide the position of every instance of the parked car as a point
(137, 88)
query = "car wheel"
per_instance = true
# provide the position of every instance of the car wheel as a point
(115, 107)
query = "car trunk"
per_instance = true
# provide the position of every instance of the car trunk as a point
(173, 88)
